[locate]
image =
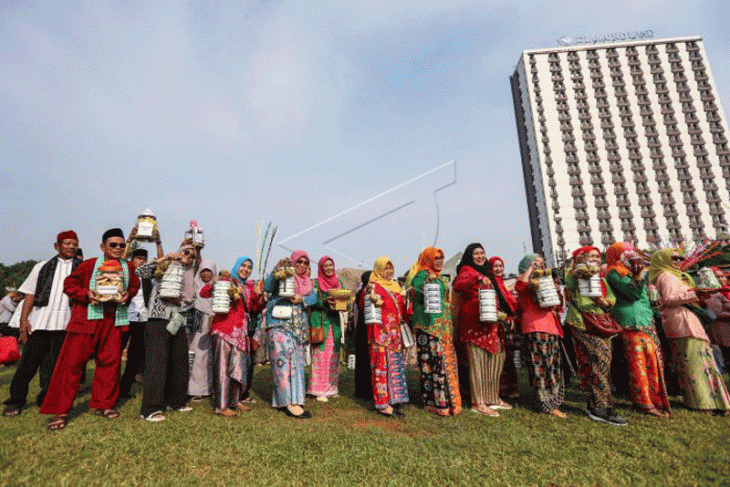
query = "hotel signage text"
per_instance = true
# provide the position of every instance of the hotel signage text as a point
(616, 37)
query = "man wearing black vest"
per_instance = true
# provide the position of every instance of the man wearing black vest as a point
(43, 321)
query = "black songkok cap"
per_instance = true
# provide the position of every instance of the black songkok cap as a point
(139, 253)
(112, 232)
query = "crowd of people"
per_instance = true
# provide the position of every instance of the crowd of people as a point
(194, 335)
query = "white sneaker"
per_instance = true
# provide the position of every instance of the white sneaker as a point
(322, 399)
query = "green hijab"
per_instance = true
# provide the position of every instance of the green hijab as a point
(661, 261)
(526, 262)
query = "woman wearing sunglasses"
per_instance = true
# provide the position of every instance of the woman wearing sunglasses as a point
(287, 326)
(703, 388)
(166, 370)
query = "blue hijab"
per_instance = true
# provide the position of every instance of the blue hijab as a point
(237, 265)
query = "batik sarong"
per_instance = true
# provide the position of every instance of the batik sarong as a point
(646, 376)
(542, 355)
(702, 385)
(388, 376)
(439, 377)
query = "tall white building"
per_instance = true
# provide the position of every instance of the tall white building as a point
(622, 141)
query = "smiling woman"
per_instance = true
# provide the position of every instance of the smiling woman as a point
(324, 317)
(703, 388)
(166, 371)
(287, 325)
(484, 339)
(434, 335)
(232, 346)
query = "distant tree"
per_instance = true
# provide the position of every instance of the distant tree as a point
(14, 275)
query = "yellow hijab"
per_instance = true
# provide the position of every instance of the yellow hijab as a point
(661, 261)
(378, 275)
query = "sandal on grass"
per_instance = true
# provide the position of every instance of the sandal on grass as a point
(155, 417)
(501, 405)
(107, 413)
(485, 410)
(242, 407)
(12, 411)
(57, 423)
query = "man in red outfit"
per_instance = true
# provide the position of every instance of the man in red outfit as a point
(95, 327)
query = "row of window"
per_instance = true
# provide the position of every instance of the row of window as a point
(609, 135)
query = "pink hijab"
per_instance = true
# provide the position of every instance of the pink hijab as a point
(303, 284)
(327, 283)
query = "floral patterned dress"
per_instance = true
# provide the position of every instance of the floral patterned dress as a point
(287, 339)
(436, 356)
(385, 346)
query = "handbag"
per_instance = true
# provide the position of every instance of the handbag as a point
(281, 312)
(601, 325)
(316, 335)
(9, 350)
(407, 335)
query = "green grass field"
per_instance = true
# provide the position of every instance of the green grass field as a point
(346, 443)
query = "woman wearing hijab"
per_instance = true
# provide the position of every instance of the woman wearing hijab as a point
(325, 355)
(436, 356)
(593, 351)
(512, 338)
(363, 384)
(166, 369)
(385, 342)
(703, 388)
(288, 333)
(231, 343)
(719, 330)
(484, 340)
(199, 342)
(541, 335)
(641, 346)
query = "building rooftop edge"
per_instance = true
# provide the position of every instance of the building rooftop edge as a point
(605, 45)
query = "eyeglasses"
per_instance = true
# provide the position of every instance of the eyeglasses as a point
(302, 262)
(677, 258)
(188, 253)
(114, 245)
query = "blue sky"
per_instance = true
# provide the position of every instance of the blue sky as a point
(231, 113)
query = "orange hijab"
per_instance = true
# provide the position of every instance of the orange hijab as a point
(425, 261)
(428, 259)
(613, 258)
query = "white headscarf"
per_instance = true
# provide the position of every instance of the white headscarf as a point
(203, 304)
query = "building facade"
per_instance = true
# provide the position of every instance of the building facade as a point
(622, 141)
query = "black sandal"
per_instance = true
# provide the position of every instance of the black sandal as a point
(304, 415)
(107, 413)
(11, 411)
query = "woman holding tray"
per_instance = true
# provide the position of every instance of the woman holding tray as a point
(703, 388)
